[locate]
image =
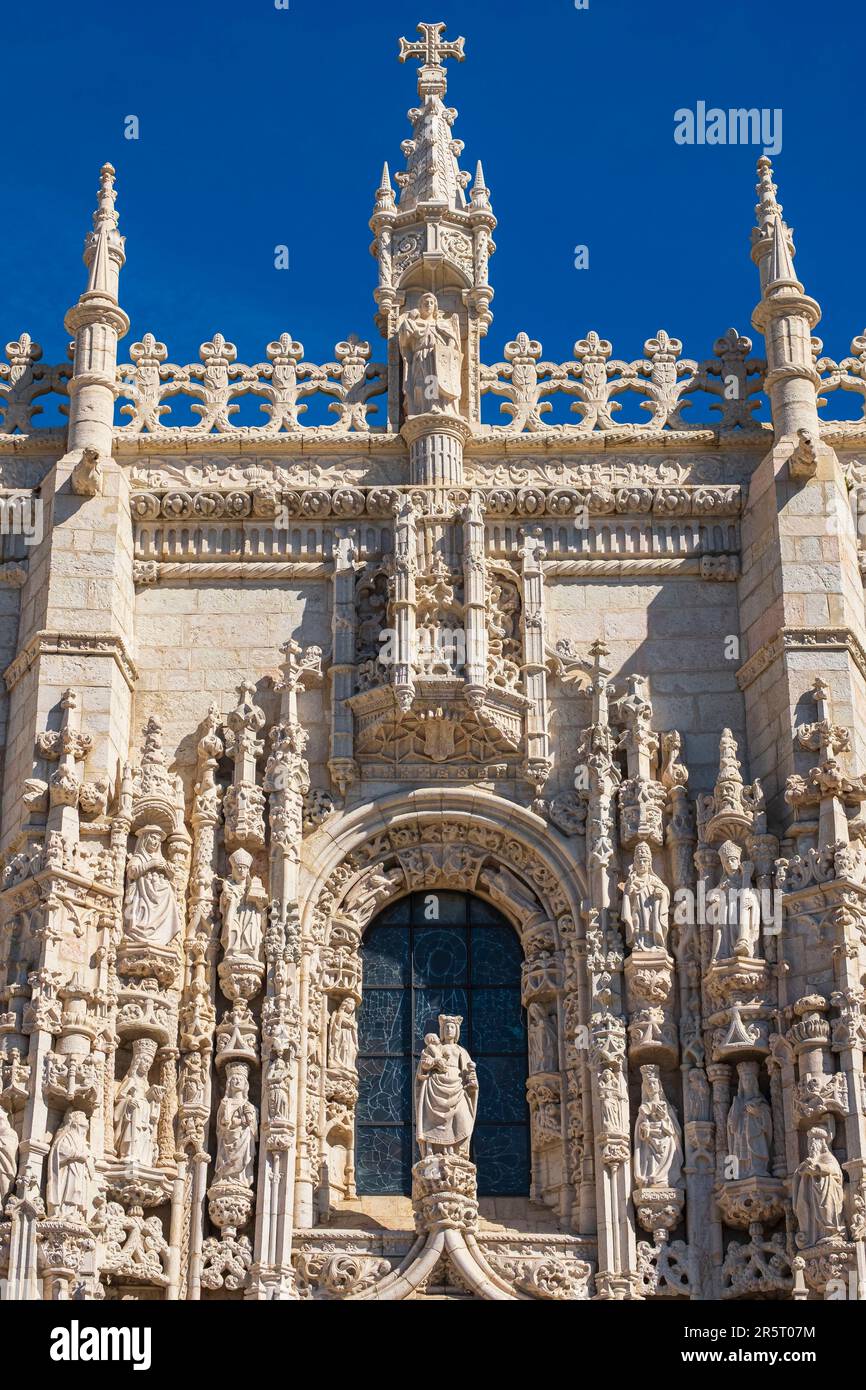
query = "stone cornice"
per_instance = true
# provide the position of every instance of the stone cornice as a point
(484, 441)
(802, 639)
(48, 643)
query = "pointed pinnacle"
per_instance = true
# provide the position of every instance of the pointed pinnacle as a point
(106, 196)
(768, 206)
(385, 193)
(479, 197)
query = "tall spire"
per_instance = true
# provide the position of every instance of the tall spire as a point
(433, 242)
(785, 315)
(104, 246)
(777, 267)
(432, 172)
(97, 322)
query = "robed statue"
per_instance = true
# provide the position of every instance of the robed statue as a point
(150, 915)
(136, 1107)
(819, 1192)
(658, 1138)
(432, 357)
(645, 904)
(750, 1126)
(446, 1092)
(71, 1171)
(237, 1129)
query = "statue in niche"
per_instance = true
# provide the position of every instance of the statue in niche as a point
(733, 909)
(658, 1138)
(237, 1130)
(243, 904)
(645, 904)
(611, 1102)
(371, 597)
(150, 915)
(446, 1092)
(543, 1049)
(750, 1125)
(697, 1097)
(136, 1108)
(8, 1155)
(818, 1192)
(278, 1088)
(343, 1036)
(192, 1081)
(432, 358)
(71, 1171)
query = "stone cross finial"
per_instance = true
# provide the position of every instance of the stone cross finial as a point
(432, 49)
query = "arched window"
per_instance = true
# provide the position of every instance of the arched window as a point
(429, 954)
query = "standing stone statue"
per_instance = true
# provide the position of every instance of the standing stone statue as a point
(8, 1155)
(446, 1092)
(541, 1027)
(733, 908)
(136, 1107)
(658, 1138)
(243, 903)
(612, 1121)
(432, 357)
(645, 904)
(71, 1173)
(237, 1129)
(279, 1077)
(150, 915)
(818, 1192)
(343, 1037)
(750, 1125)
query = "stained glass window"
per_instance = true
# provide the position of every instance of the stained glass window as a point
(429, 954)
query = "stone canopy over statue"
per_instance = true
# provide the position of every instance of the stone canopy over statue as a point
(432, 359)
(446, 1092)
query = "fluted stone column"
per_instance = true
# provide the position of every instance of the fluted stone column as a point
(436, 449)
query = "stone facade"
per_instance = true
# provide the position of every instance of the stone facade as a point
(265, 680)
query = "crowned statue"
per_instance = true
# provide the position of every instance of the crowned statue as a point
(446, 1092)
(136, 1107)
(658, 1138)
(237, 1129)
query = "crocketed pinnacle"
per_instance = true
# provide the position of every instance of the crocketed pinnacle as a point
(432, 173)
(104, 246)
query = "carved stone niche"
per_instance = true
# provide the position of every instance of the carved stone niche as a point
(133, 1174)
(341, 961)
(145, 1010)
(652, 1033)
(738, 990)
(541, 973)
(819, 1090)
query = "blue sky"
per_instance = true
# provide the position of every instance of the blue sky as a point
(261, 126)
